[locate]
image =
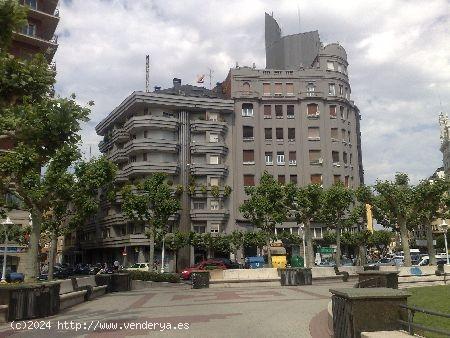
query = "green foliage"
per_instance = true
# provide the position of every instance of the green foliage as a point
(255, 238)
(179, 189)
(177, 240)
(215, 191)
(236, 240)
(265, 206)
(380, 238)
(329, 238)
(12, 17)
(154, 276)
(203, 189)
(16, 234)
(191, 189)
(304, 203)
(227, 191)
(289, 239)
(336, 204)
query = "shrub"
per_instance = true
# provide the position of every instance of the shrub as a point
(155, 276)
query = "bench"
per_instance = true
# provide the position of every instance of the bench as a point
(69, 295)
(344, 274)
(244, 277)
(328, 272)
(90, 285)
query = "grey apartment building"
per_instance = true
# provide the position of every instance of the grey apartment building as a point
(294, 119)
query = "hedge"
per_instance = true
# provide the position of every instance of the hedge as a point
(154, 276)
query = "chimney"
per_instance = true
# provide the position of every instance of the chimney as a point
(176, 82)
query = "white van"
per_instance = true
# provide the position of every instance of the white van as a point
(439, 259)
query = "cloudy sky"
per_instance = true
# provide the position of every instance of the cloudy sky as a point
(399, 55)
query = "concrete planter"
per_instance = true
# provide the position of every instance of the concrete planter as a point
(115, 282)
(28, 301)
(384, 279)
(295, 276)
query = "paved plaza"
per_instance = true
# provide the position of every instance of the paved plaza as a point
(179, 311)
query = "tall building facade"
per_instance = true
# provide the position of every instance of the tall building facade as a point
(294, 119)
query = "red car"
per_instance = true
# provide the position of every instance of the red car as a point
(205, 265)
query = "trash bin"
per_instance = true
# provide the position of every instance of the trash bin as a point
(297, 262)
(200, 279)
(254, 262)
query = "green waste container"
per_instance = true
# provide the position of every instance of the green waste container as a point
(297, 262)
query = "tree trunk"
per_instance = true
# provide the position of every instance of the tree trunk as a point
(152, 249)
(32, 268)
(52, 255)
(338, 245)
(431, 250)
(175, 258)
(269, 255)
(309, 259)
(362, 255)
(405, 242)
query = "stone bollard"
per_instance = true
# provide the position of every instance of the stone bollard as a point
(373, 309)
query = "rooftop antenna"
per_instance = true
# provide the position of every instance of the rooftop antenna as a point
(90, 151)
(147, 73)
(298, 14)
(211, 72)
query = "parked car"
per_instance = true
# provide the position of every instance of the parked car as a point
(94, 269)
(399, 260)
(440, 259)
(139, 267)
(228, 263)
(347, 262)
(205, 265)
(384, 262)
(12, 277)
(82, 269)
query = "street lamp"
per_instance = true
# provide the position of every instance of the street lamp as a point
(444, 227)
(5, 224)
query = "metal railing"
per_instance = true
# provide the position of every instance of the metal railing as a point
(410, 325)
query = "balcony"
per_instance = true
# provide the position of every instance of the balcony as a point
(220, 215)
(208, 125)
(150, 121)
(199, 192)
(145, 168)
(316, 162)
(46, 46)
(209, 148)
(209, 169)
(112, 219)
(311, 95)
(118, 156)
(48, 21)
(148, 144)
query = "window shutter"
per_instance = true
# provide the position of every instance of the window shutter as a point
(249, 180)
(249, 155)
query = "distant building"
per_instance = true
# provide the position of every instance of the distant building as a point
(294, 119)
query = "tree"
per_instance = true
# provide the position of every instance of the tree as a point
(236, 242)
(336, 204)
(175, 241)
(151, 203)
(430, 198)
(381, 240)
(395, 207)
(265, 207)
(305, 205)
(37, 125)
(72, 194)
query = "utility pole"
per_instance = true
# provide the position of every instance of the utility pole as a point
(211, 72)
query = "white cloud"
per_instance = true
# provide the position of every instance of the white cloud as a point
(399, 53)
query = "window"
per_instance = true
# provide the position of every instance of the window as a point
(213, 116)
(31, 3)
(199, 205)
(290, 111)
(292, 158)
(341, 90)
(335, 156)
(145, 133)
(313, 133)
(310, 88)
(333, 113)
(344, 157)
(278, 89)
(200, 229)
(336, 179)
(214, 205)
(281, 179)
(133, 136)
(247, 109)
(291, 134)
(351, 158)
(249, 156)
(334, 134)
(144, 157)
(315, 157)
(316, 179)
(346, 181)
(293, 179)
(343, 134)
(268, 134)
(166, 114)
(279, 111)
(289, 89)
(133, 158)
(29, 29)
(280, 158)
(349, 136)
(214, 181)
(215, 228)
(330, 65)
(347, 94)
(249, 180)
(246, 87)
(268, 156)
(279, 134)
(267, 111)
(213, 138)
(213, 159)
(313, 110)
(247, 133)
(339, 68)
(331, 89)
(341, 112)
(266, 89)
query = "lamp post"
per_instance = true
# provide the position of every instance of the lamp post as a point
(444, 227)
(5, 224)
(304, 247)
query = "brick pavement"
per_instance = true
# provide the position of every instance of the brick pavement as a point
(184, 312)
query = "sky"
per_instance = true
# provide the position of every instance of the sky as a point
(398, 51)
